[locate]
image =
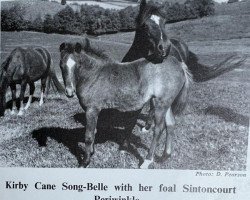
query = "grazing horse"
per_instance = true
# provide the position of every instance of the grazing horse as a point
(26, 66)
(152, 42)
(101, 84)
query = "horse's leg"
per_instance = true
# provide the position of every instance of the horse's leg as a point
(13, 91)
(91, 118)
(170, 122)
(158, 129)
(43, 86)
(23, 88)
(32, 90)
(129, 129)
(150, 117)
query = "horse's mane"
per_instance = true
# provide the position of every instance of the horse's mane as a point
(3, 68)
(88, 47)
(146, 11)
(5, 63)
(100, 53)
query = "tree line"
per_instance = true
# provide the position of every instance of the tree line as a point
(95, 20)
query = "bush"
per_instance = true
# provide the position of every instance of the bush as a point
(13, 19)
(127, 18)
(49, 24)
(201, 8)
(37, 24)
(97, 20)
(232, 1)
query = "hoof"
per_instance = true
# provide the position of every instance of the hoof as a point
(12, 112)
(166, 156)
(163, 158)
(144, 130)
(43, 149)
(122, 151)
(83, 165)
(145, 164)
(26, 107)
(20, 113)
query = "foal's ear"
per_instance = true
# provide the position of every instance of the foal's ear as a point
(78, 47)
(144, 2)
(62, 46)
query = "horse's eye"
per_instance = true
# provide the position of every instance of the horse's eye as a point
(146, 27)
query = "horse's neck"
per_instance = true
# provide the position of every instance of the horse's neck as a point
(89, 65)
(137, 50)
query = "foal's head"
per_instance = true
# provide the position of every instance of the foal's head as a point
(75, 55)
(151, 31)
(68, 63)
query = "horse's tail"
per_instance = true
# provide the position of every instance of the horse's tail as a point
(181, 100)
(3, 85)
(54, 79)
(203, 73)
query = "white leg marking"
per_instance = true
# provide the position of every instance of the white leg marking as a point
(29, 102)
(170, 120)
(169, 149)
(41, 99)
(169, 144)
(123, 158)
(12, 112)
(20, 113)
(146, 164)
(13, 108)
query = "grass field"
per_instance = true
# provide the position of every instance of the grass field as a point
(116, 4)
(212, 133)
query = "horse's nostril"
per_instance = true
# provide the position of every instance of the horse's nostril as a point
(160, 47)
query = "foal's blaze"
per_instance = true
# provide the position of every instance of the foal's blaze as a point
(68, 78)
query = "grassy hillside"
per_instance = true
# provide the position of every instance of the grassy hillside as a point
(211, 134)
(35, 8)
(212, 28)
(239, 8)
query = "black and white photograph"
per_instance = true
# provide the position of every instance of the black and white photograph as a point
(125, 84)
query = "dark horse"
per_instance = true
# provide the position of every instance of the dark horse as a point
(25, 66)
(105, 84)
(151, 42)
(151, 39)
